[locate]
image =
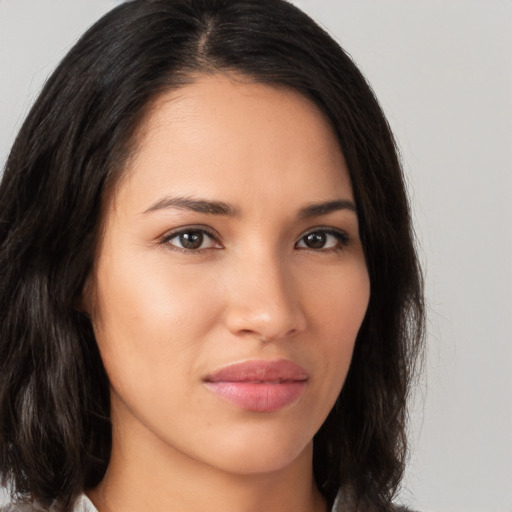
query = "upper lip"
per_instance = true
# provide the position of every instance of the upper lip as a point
(259, 371)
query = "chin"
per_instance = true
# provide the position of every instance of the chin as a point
(253, 456)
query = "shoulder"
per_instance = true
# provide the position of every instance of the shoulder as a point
(82, 504)
(18, 506)
(346, 504)
(344, 507)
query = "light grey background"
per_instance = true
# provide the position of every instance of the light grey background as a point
(442, 70)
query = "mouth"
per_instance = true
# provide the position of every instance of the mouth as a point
(259, 386)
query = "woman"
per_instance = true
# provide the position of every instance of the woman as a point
(210, 293)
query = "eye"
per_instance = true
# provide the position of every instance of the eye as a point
(191, 240)
(323, 239)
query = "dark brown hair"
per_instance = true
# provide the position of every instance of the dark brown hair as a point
(55, 432)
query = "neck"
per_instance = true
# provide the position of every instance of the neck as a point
(157, 477)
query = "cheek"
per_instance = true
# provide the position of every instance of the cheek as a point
(338, 302)
(336, 317)
(150, 318)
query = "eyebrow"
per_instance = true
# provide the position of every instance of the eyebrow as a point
(221, 208)
(195, 205)
(318, 209)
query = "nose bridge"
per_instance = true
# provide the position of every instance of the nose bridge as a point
(264, 299)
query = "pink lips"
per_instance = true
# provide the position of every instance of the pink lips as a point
(259, 386)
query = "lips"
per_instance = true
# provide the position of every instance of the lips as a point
(259, 386)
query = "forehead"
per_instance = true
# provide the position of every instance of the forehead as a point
(227, 135)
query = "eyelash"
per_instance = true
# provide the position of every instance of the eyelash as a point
(166, 239)
(341, 237)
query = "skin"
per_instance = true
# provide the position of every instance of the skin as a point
(165, 316)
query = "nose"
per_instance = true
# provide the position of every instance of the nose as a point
(264, 301)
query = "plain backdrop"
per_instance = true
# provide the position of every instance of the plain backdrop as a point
(442, 70)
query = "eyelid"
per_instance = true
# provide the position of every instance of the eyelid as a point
(169, 235)
(341, 235)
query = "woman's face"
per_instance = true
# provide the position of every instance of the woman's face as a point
(230, 281)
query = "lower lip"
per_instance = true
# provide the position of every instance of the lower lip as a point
(259, 397)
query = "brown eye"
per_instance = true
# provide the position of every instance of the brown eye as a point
(323, 239)
(315, 240)
(191, 240)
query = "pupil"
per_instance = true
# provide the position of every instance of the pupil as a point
(191, 240)
(316, 240)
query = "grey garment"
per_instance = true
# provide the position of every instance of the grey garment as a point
(82, 504)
